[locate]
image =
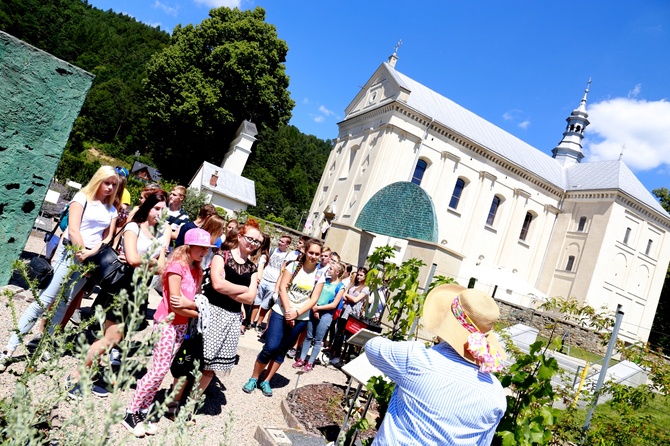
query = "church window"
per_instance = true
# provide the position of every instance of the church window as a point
(571, 263)
(649, 244)
(458, 191)
(419, 170)
(493, 211)
(526, 226)
(627, 236)
(582, 224)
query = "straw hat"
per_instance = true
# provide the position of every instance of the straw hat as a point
(481, 310)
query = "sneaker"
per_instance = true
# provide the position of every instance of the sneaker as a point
(299, 363)
(266, 389)
(133, 422)
(250, 386)
(5, 360)
(307, 368)
(99, 390)
(291, 353)
(115, 357)
(76, 317)
(75, 392)
(149, 427)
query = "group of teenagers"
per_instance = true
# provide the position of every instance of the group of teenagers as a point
(220, 273)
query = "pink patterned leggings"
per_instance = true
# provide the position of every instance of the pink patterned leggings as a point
(171, 338)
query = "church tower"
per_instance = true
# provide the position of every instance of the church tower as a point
(569, 150)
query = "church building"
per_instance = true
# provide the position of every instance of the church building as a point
(414, 170)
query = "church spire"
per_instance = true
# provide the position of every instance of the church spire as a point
(393, 58)
(569, 150)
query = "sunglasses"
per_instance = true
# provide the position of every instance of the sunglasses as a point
(252, 241)
(121, 171)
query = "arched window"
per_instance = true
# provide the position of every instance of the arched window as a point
(526, 226)
(456, 196)
(627, 236)
(419, 170)
(582, 224)
(650, 242)
(493, 211)
(571, 263)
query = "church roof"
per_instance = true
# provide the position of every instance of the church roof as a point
(580, 176)
(609, 175)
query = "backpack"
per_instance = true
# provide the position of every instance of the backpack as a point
(63, 217)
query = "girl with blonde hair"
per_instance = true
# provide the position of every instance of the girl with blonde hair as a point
(91, 221)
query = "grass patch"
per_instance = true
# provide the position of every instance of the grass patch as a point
(579, 353)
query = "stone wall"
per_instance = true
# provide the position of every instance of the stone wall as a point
(545, 322)
(40, 97)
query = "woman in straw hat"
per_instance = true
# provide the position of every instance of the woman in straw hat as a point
(446, 394)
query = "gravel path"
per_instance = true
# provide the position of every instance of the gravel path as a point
(229, 416)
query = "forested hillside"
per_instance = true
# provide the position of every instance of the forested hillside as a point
(114, 47)
(137, 102)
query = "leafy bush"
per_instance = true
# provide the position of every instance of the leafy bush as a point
(75, 168)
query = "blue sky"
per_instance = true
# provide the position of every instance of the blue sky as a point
(521, 65)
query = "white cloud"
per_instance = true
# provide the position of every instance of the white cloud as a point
(639, 125)
(219, 3)
(635, 91)
(511, 115)
(325, 111)
(169, 10)
(305, 101)
(319, 118)
(525, 124)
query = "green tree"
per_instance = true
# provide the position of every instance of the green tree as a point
(212, 76)
(660, 329)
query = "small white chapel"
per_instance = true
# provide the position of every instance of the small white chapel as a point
(416, 171)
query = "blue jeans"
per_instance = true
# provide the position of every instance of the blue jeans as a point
(279, 338)
(316, 330)
(62, 262)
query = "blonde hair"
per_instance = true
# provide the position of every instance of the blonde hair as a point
(335, 265)
(181, 190)
(102, 174)
(215, 225)
(182, 255)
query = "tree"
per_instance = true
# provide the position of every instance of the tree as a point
(210, 78)
(660, 329)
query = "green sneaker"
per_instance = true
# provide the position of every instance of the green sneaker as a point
(250, 386)
(266, 389)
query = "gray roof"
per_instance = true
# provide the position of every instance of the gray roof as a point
(609, 175)
(229, 184)
(580, 176)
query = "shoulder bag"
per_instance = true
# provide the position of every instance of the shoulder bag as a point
(109, 272)
(183, 363)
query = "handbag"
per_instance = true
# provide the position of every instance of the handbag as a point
(38, 269)
(109, 272)
(189, 351)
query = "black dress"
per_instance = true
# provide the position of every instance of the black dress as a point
(225, 318)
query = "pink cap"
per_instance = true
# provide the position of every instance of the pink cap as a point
(197, 237)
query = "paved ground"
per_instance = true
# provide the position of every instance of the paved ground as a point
(229, 412)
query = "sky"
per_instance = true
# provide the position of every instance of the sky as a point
(521, 65)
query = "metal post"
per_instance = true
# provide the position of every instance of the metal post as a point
(603, 371)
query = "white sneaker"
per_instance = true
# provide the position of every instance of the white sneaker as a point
(115, 357)
(149, 427)
(5, 360)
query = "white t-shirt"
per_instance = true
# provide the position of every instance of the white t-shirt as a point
(144, 242)
(95, 219)
(300, 290)
(272, 269)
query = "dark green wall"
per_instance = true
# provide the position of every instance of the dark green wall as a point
(40, 97)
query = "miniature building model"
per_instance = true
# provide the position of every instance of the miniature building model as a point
(224, 185)
(414, 170)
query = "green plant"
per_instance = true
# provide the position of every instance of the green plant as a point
(28, 414)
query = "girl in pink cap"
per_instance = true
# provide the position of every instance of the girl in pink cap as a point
(181, 282)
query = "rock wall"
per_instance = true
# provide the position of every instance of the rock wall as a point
(545, 322)
(40, 97)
